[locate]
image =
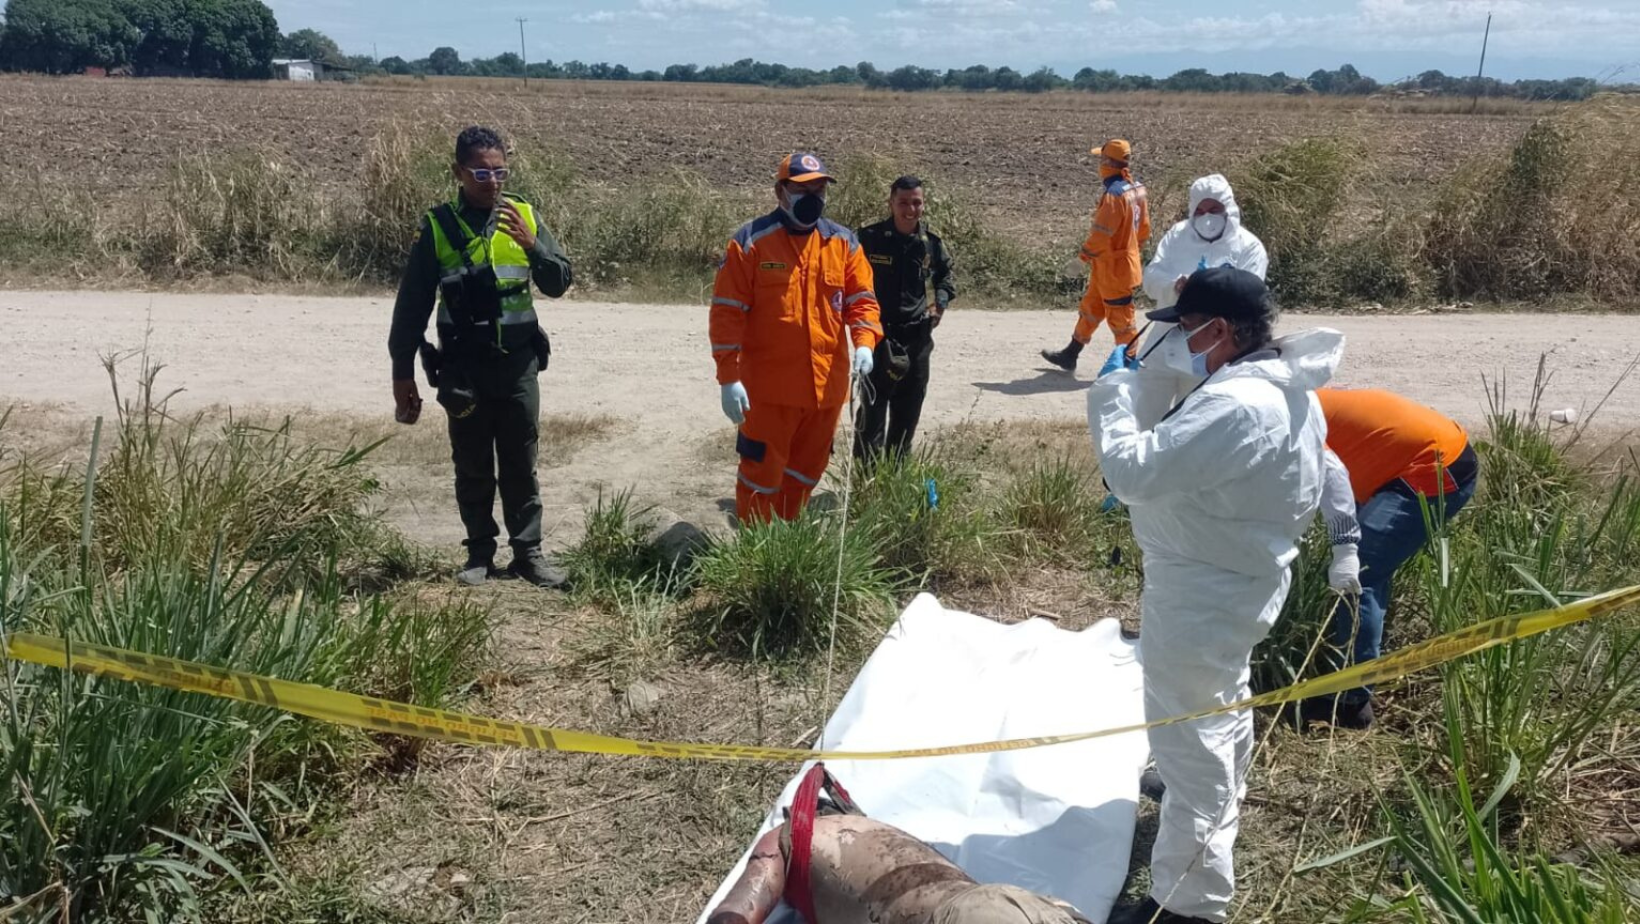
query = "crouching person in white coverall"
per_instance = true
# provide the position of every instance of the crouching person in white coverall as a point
(1220, 492)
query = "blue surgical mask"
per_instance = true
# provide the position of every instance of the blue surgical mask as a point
(1177, 355)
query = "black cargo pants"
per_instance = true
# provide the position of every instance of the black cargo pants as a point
(494, 447)
(889, 410)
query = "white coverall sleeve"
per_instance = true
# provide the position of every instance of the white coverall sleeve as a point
(1213, 439)
(1338, 501)
(1256, 259)
(1160, 273)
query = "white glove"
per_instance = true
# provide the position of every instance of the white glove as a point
(862, 361)
(735, 402)
(1344, 575)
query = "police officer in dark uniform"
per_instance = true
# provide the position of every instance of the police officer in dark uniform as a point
(915, 286)
(476, 256)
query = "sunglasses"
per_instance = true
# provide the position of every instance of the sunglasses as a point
(482, 175)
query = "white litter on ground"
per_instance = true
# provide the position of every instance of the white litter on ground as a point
(1057, 820)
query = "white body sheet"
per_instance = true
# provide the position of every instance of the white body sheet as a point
(1057, 820)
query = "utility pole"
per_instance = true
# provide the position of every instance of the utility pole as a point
(524, 57)
(1475, 104)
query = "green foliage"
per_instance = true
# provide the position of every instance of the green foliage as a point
(167, 486)
(616, 550)
(926, 516)
(769, 589)
(125, 801)
(204, 38)
(1292, 196)
(1460, 870)
(312, 45)
(66, 36)
(1053, 509)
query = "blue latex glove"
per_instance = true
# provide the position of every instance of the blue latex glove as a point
(862, 361)
(735, 402)
(1118, 359)
(1110, 504)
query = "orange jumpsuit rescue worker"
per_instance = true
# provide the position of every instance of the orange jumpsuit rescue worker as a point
(1121, 225)
(793, 314)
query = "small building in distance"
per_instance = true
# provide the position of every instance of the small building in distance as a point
(301, 70)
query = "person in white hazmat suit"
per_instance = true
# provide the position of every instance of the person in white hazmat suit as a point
(1210, 235)
(1220, 492)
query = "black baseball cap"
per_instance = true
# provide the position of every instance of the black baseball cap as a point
(1219, 292)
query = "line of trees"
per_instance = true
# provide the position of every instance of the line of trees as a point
(239, 38)
(1345, 81)
(205, 38)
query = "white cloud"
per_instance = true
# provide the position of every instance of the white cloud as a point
(686, 6)
(1103, 6)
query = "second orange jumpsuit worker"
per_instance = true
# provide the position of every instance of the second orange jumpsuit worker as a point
(1121, 225)
(793, 314)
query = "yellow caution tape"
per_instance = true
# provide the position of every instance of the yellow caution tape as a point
(398, 718)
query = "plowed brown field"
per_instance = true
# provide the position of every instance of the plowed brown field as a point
(1024, 157)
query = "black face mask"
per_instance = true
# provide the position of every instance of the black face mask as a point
(805, 209)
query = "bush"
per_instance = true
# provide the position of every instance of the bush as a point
(617, 549)
(987, 262)
(171, 487)
(772, 589)
(122, 801)
(1557, 214)
(924, 515)
(1291, 198)
(1053, 510)
(238, 213)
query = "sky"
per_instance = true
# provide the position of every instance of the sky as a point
(1386, 39)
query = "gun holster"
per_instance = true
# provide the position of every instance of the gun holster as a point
(899, 359)
(431, 361)
(542, 346)
(456, 392)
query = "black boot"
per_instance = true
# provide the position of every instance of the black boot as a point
(1324, 710)
(476, 571)
(534, 567)
(1066, 358)
(1151, 785)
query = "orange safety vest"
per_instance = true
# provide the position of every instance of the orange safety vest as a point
(1381, 436)
(787, 307)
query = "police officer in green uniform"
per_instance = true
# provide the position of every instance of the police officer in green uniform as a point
(907, 260)
(475, 257)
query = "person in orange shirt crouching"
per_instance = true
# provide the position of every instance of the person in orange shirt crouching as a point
(794, 315)
(1400, 455)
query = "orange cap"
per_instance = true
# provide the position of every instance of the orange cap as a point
(801, 167)
(1115, 149)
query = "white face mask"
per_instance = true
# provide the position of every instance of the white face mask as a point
(1177, 355)
(1210, 225)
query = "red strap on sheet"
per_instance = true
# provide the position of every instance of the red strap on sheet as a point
(800, 824)
(799, 889)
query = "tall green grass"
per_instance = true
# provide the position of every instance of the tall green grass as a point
(773, 588)
(1461, 868)
(130, 802)
(922, 511)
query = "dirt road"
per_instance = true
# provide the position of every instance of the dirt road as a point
(648, 367)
